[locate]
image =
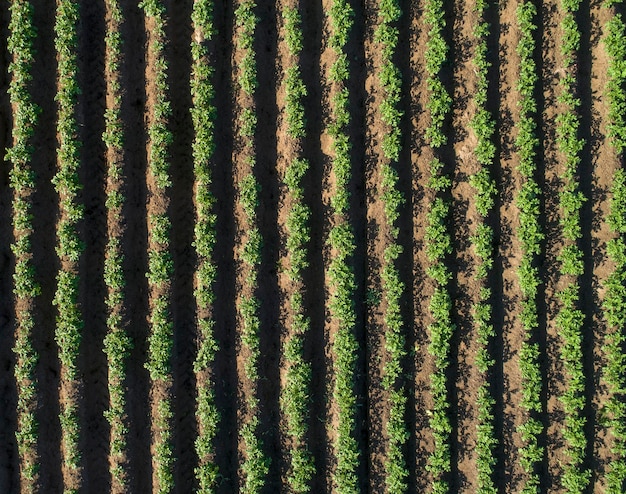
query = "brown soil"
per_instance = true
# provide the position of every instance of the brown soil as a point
(274, 150)
(423, 364)
(464, 222)
(508, 181)
(290, 149)
(596, 180)
(553, 168)
(329, 417)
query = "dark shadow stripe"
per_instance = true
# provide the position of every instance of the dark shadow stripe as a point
(225, 314)
(95, 430)
(314, 276)
(182, 215)
(135, 245)
(45, 212)
(268, 292)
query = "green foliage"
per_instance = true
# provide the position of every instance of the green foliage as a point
(386, 36)
(160, 263)
(203, 117)
(614, 303)
(570, 318)
(117, 343)
(616, 49)
(25, 287)
(69, 247)
(440, 102)
(438, 244)
(246, 21)
(530, 235)
(256, 462)
(340, 272)
(295, 398)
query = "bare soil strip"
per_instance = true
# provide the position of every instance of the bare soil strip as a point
(464, 221)
(508, 250)
(449, 156)
(94, 400)
(603, 163)
(134, 244)
(549, 20)
(286, 151)
(328, 419)
(179, 32)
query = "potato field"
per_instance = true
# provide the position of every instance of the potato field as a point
(313, 246)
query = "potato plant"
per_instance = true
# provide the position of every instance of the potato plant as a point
(295, 396)
(614, 302)
(25, 286)
(438, 247)
(340, 272)
(203, 116)
(483, 124)
(69, 324)
(386, 36)
(117, 343)
(530, 236)
(255, 465)
(160, 263)
(570, 318)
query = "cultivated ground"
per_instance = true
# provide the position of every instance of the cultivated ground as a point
(273, 152)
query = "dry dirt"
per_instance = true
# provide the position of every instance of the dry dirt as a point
(273, 151)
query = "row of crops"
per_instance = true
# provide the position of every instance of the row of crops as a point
(346, 457)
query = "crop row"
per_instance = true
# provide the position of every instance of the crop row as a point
(396, 429)
(25, 286)
(160, 263)
(69, 323)
(439, 101)
(340, 270)
(483, 125)
(203, 116)
(438, 243)
(530, 236)
(438, 247)
(295, 397)
(614, 303)
(570, 318)
(255, 465)
(117, 343)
